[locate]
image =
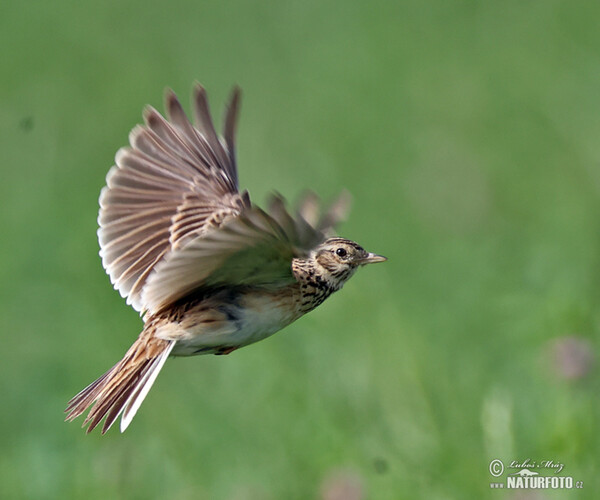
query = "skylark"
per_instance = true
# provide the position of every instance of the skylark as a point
(208, 270)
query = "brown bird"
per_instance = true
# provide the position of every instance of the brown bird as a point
(208, 270)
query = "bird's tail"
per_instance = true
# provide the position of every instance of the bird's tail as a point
(122, 389)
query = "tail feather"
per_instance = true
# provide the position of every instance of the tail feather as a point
(133, 403)
(123, 387)
(78, 404)
(111, 403)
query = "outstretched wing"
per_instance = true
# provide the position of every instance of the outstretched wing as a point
(255, 248)
(174, 183)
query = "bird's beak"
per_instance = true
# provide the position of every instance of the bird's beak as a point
(372, 258)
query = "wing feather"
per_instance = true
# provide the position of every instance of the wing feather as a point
(173, 183)
(255, 248)
(229, 127)
(172, 220)
(205, 124)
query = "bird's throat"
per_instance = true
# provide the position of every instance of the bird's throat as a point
(314, 284)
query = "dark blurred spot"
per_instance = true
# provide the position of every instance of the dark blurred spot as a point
(572, 357)
(26, 124)
(381, 466)
(342, 485)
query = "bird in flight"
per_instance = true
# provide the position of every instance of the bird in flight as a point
(208, 270)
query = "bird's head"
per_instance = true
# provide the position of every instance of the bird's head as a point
(339, 258)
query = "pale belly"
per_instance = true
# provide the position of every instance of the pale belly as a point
(215, 326)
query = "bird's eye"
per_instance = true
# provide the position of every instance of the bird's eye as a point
(341, 252)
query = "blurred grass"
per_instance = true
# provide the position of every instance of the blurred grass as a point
(468, 135)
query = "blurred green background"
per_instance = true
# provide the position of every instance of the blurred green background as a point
(469, 135)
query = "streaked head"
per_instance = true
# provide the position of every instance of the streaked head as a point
(341, 257)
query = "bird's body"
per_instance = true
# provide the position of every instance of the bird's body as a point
(227, 320)
(209, 271)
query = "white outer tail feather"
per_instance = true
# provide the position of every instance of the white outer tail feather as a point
(136, 399)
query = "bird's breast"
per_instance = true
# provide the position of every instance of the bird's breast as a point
(263, 314)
